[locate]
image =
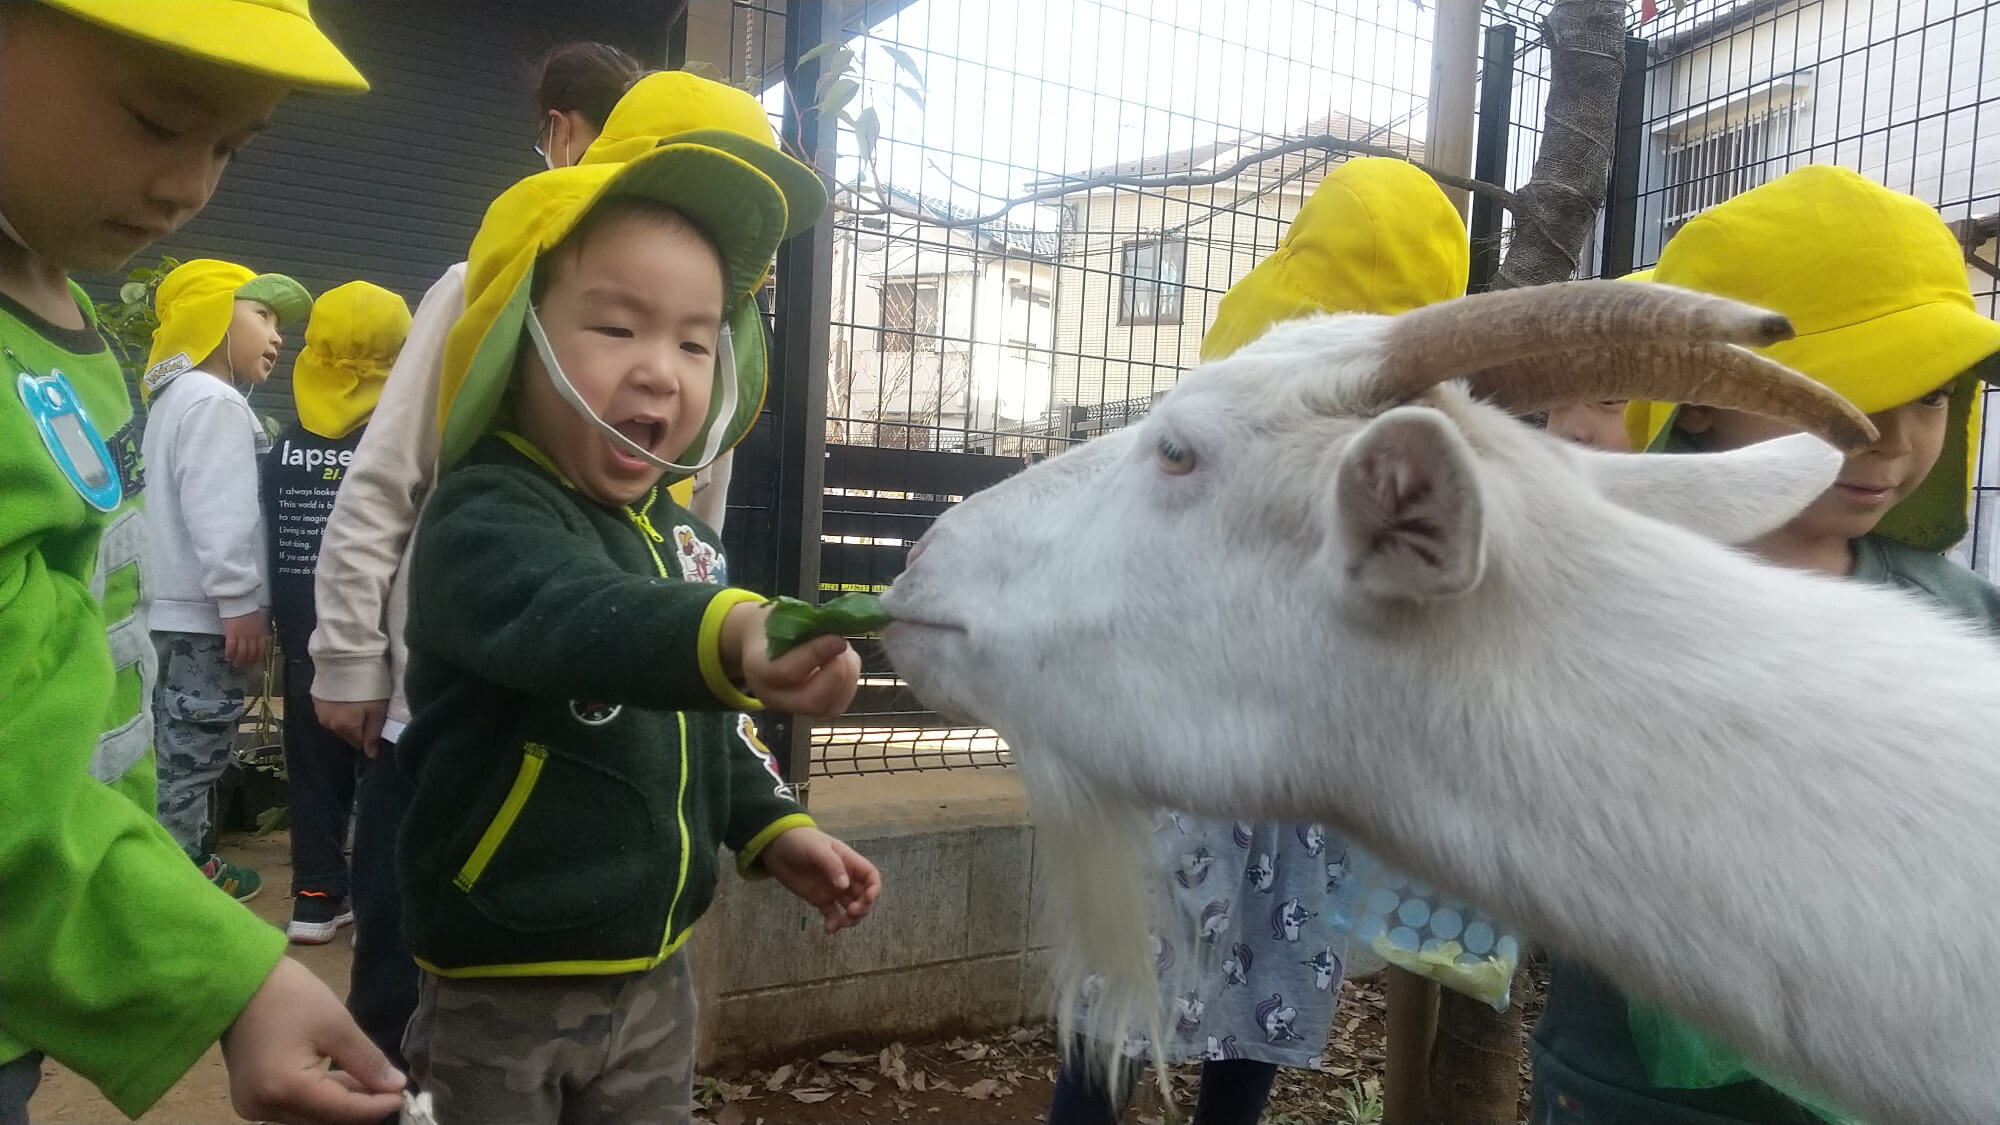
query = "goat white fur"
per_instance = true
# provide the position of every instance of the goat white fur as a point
(1523, 671)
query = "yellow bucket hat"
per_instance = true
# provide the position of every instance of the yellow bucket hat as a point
(1875, 284)
(352, 341)
(194, 306)
(1376, 236)
(690, 109)
(275, 38)
(740, 209)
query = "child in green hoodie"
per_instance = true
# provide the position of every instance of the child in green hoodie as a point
(118, 957)
(579, 667)
(1876, 286)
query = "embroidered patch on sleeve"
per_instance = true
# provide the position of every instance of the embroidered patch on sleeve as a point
(747, 731)
(699, 561)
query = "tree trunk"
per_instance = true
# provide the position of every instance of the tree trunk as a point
(1559, 204)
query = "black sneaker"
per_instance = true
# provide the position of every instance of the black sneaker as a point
(316, 917)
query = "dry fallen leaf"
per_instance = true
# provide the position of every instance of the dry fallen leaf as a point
(731, 1114)
(846, 1058)
(981, 1090)
(920, 1080)
(973, 1053)
(811, 1096)
(1024, 1035)
(779, 1077)
(862, 1084)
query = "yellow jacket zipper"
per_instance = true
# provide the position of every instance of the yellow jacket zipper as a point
(645, 525)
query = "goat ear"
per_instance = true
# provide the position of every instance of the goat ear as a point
(1730, 497)
(1411, 517)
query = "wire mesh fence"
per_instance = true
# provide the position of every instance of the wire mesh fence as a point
(973, 330)
(1041, 203)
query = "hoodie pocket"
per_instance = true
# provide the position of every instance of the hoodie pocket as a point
(571, 845)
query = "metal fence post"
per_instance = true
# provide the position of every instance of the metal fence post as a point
(1621, 203)
(803, 307)
(1496, 106)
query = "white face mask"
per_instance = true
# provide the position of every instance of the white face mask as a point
(725, 366)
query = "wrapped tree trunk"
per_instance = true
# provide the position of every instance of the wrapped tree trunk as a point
(1559, 204)
(1474, 1076)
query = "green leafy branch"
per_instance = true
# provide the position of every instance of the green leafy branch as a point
(127, 323)
(839, 86)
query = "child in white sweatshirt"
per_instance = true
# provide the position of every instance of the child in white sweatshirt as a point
(206, 587)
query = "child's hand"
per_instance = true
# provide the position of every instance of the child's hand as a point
(244, 638)
(277, 1049)
(825, 872)
(817, 679)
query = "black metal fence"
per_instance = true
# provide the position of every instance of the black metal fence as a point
(1000, 280)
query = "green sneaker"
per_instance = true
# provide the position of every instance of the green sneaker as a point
(240, 883)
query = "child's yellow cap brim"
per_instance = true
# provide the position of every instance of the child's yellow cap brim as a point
(274, 38)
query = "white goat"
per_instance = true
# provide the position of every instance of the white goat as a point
(1315, 585)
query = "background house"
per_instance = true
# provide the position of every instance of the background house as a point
(1143, 270)
(941, 335)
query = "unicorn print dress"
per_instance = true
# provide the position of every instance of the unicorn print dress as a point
(1267, 957)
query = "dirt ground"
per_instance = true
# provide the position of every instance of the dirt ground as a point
(998, 1079)
(1006, 1077)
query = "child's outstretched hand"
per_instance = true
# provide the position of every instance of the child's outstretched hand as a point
(818, 678)
(277, 1049)
(825, 872)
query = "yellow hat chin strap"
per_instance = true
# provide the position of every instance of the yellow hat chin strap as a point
(725, 366)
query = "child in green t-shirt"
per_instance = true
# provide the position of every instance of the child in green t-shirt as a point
(118, 957)
(1876, 286)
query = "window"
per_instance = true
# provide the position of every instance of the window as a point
(909, 316)
(1028, 315)
(1149, 288)
(1713, 155)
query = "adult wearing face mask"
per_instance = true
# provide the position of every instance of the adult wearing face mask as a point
(598, 105)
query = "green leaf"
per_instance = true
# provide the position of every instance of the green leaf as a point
(867, 130)
(273, 819)
(791, 621)
(816, 52)
(132, 292)
(904, 63)
(833, 70)
(914, 95)
(138, 273)
(839, 95)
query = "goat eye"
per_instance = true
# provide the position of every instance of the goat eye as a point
(1175, 460)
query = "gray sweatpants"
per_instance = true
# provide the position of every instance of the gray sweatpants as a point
(197, 703)
(615, 1050)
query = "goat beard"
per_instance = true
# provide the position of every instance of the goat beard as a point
(1107, 900)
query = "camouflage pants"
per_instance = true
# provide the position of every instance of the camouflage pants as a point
(197, 703)
(557, 1050)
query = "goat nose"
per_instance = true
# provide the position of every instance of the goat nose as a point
(910, 559)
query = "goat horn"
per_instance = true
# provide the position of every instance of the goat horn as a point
(1701, 374)
(1430, 345)
(1553, 345)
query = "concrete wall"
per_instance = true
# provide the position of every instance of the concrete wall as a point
(950, 948)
